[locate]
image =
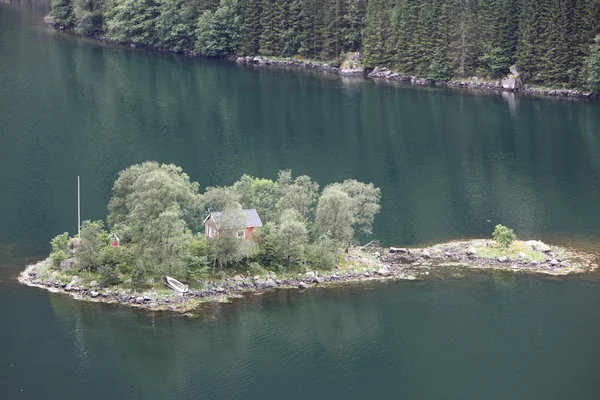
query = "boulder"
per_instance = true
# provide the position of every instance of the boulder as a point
(310, 275)
(536, 245)
(471, 251)
(511, 82)
(302, 285)
(93, 284)
(554, 262)
(426, 253)
(238, 278)
(94, 294)
(139, 300)
(352, 65)
(67, 264)
(270, 283)
(383, 272)
(514, 71)
(502, 259)
(522, 255)
(317, 280)
(398, 250)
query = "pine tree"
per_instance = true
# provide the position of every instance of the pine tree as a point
(377, 34)
(592, 67)
(268, 36)
(250, 13)
(352, 25)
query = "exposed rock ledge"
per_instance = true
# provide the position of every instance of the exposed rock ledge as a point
(364, 264)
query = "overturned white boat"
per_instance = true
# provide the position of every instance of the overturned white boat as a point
(176, 285)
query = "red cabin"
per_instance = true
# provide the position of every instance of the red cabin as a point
(216, 221)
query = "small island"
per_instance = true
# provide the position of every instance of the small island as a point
(253, 236)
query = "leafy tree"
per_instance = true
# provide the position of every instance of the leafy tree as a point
(143, 191)
(175, 25)
(504, 236)
(88, 16)
(221, 198)
(365, 203)
(60, 252)
(217, 33)
(93, 239)
(592, 67)
(61, 12)
(301, 194)
(132, 21)
(335, 216)
(291, 236)
(261, 194)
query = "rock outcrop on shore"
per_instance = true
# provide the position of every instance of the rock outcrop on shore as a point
(363, 265)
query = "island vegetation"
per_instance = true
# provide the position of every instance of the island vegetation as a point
(156, 217)
(552, 42)
(156, 227)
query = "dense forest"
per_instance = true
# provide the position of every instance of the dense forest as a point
(551, 41)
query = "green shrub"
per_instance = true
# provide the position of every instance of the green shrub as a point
(109, 275)
(256, 269)
(504, 236)
(139, 275)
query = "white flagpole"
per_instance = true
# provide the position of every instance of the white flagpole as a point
(78, 209)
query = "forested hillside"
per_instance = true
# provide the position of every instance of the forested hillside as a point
(550, 40)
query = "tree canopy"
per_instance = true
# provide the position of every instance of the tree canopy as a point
(548, 39)
(156, 212)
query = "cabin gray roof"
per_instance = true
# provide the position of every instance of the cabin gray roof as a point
(252, 218)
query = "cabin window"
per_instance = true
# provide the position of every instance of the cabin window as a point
(240, 234)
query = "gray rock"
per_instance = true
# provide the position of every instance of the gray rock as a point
(503, 259)
(310, 274)
(139, 300)
(238, 278)
(67, 264)
(471, 251)
(302, 285)
(352, 65)
(383, 272)
(426, 253)
(398, 250)
(522, 255)
(94, 294)
(366, 274)
(270, 283)
(317, 280)
(554, 262)
(536, 245)
(93, 284)
(513, 70)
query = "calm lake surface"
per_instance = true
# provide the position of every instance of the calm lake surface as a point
(450, 165)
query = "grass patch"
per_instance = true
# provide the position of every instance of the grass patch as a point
(513, 252)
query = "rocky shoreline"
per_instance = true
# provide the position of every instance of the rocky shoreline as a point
(508, 84)
(362, 265)
(351, 68)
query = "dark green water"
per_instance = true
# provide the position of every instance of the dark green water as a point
(447, 162)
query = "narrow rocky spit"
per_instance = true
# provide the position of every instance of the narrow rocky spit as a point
(362, 264)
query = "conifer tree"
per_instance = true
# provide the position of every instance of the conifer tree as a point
(377, 34)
